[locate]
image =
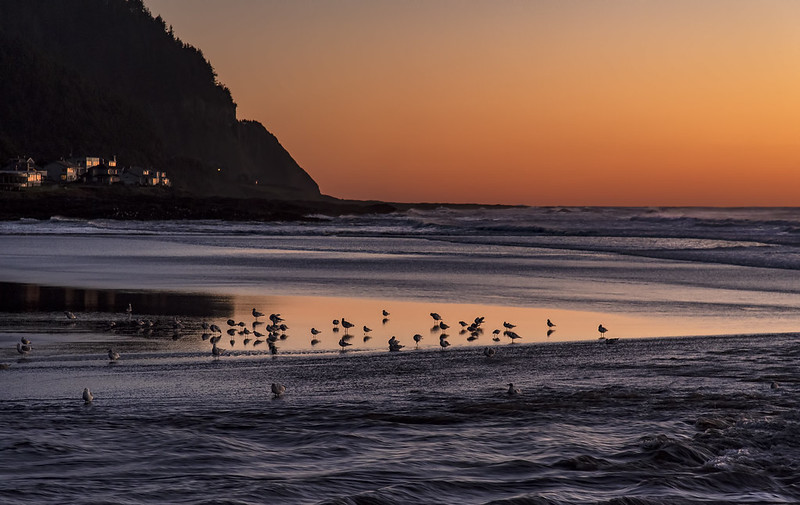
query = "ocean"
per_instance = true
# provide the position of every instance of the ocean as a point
(689, 397)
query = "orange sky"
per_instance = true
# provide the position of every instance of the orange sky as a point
(523, 102)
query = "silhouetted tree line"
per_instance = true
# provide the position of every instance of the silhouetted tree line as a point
(104, 77)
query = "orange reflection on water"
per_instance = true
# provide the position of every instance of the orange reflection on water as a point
(406, 319)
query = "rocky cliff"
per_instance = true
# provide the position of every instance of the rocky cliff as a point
(106, 78)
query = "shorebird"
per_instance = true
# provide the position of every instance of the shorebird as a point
(512, 391)
(112, 355)
(550, 324)
(278, 389)
(344, 343)
(602, 329)
(444, 343)
(70, 315)
(346, 325)
(315, 331)
(385, 313)
(216, 351)
(394, 344)
(443, 325)
(257, 314)
(509, 326)
(488, 352)
(367, 330)
(231, 322)
(435, 316)
(417, 338)
(87, 396)
(463, 324)
(23, 349)
(512, 335)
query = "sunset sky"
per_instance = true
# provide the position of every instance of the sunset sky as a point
(521, 102)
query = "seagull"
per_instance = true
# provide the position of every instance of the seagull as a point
(550, 324)
(512, 391)
(488, 352)
(394, 345)
(602, 329)
(113, 356)
(23, 349)
(87, 396)
(346, 325)
(70, 315)
(435, 316)
(257, 314)
(278, 389)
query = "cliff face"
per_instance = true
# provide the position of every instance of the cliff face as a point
(105, 78)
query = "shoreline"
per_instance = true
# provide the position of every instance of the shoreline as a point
(162, 204)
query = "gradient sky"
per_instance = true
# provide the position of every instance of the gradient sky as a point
(522, 102)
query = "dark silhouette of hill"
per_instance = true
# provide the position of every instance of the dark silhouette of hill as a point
(105, 78)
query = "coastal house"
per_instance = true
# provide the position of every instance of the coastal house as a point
(62, 171)
(105, 173)
(20, 173)
(140, 176)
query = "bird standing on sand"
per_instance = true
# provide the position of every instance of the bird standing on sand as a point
(551, 324)
(385, 313)
(512, 391)
(436, 317)
(87, 396)
(602, 329)
(343, 343)
(257, 314)
(315, 331)
(278, 389)
(417, 337)
(367, 330)
(112, 355)
(509, 326)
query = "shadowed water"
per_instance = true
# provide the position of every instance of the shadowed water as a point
(685, 420)
(682, 420)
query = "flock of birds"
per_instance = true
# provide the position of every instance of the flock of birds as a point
(277, 328)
